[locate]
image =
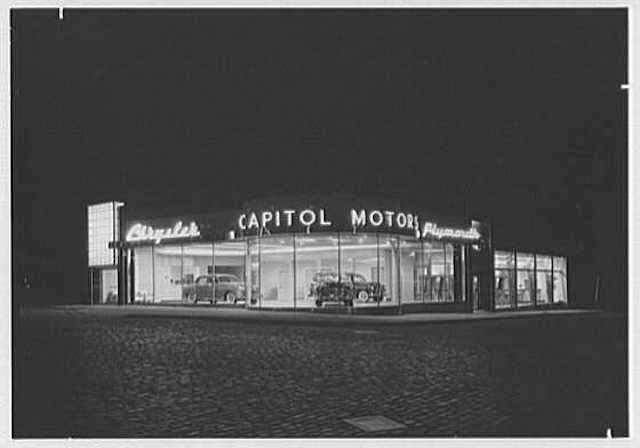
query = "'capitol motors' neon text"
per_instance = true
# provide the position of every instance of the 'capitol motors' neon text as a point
(388, 218)
(359, 218)
(141, 232)
(306, 217)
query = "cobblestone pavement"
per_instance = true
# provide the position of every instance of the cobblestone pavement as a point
(82, 374)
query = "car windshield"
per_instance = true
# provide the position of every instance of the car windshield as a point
(227, 278)
(358, 277)
(203, 279)
(325, 276)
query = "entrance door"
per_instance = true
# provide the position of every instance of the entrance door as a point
(104, 285)
(475, 292)
(94, 286)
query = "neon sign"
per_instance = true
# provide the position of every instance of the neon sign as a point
(141, 232)
(306, 217)
(357, 218)
(431, 229)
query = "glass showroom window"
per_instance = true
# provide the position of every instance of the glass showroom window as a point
(438, 260)
(448, 273)
(317, 270)
(359, 275)
(143, 274)
(411, 271)
(253, 271)
(559, 280)
(505, 280)
(388, 252)
(229, 267)
(167, 263)
(109, 285)
(462, 271)
(276, 271)
(426, 272)
(544, 284)
(197, 266)
(434, 264)
(525, 279)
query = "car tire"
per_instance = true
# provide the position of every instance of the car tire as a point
(363, 295)
(318, 303)
(229, 297)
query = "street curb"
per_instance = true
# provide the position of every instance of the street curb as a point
(290, 317)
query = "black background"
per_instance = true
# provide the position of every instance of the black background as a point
(519, 114)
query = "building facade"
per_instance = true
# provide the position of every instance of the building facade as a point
(335, 253)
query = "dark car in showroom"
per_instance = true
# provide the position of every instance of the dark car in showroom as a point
(350, 287)
(228, 288)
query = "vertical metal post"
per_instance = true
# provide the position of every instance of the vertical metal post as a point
(421, 271)
(535, 280)
(125, 277)
(213, 272)
(553, 283)
(259, 271)
(113, 229)
(515, 277)
(378, 268)
(132, 276)
(491, 280)
(398, 274)
(293, 243)
(339, 260)
(153, 273)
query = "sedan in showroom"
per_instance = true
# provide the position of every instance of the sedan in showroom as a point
(228, 288)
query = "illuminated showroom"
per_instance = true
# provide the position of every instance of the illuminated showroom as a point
(337, 255)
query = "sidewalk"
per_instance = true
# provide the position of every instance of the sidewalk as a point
(242, 314)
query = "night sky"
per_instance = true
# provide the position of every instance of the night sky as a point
(520, 113)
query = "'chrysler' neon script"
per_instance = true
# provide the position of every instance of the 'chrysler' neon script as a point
(141, 232)
(358, 218)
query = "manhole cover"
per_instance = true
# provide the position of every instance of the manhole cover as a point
(374, 423)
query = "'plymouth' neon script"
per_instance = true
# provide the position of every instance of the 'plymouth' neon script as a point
(431, 229)
(141, 232)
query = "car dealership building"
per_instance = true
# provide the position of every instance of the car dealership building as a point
(331, 253)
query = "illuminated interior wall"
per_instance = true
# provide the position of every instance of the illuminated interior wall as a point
(388, 250)
(411, 269)
(143, 274)
(253, 272)
(525, 279)
(102, 228)
(504, 290)
(167, 264)
(544, 279)
(559, 280)
(109, 282)
(276, 272)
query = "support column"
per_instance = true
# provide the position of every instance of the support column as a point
(132, 277)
